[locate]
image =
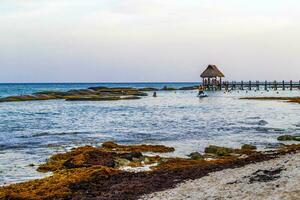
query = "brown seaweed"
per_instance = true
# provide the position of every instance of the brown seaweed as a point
(89, 174)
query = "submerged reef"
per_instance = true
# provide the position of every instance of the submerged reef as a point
(288, 99)
(91, 94)
(289, 138)
(100, 172)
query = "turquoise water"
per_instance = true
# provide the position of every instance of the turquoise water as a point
(10, 89)
(32, 131)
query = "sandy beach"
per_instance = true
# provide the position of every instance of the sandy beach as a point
(269, 180)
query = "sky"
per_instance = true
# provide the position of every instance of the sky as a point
(148, 40)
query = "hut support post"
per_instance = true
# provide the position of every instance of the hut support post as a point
(266, 85)
(250, 86)
(275, 85)
(291, 85)
(283, 85)
(242, 85)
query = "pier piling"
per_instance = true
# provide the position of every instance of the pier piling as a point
(257, 85)
(266, 85)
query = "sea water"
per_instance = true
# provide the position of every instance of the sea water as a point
(32, 131)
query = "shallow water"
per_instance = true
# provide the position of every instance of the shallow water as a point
(31, 131)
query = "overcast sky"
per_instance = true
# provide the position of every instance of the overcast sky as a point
(148, 40)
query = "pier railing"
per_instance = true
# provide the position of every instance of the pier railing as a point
(256, 85)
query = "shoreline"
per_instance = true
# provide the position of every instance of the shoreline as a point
(98, 173)
(277, 178)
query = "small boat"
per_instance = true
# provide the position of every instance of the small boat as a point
(203, 95)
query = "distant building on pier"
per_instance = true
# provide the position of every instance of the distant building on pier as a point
(212, 77)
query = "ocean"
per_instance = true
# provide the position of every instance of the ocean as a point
(32, 131)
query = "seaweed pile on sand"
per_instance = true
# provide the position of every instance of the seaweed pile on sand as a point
(98, 172)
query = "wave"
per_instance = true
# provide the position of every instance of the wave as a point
(44, 134)
(28, 145)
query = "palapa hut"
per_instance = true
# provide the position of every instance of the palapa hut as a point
(210, 77)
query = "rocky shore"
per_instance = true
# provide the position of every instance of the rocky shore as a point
(91, 94)
(115, 171)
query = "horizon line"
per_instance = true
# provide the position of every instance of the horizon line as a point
(109, 82)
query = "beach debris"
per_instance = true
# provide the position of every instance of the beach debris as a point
(265, 175)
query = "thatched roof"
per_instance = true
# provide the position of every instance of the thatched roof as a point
(212, 71)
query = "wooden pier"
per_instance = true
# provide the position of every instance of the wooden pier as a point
(212, 80)
(254, 85)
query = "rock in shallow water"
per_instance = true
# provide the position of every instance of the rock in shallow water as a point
(289, 138)
(220, 151)
(262, 123)
(248, 147)
(274, 145)
(196, 156)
